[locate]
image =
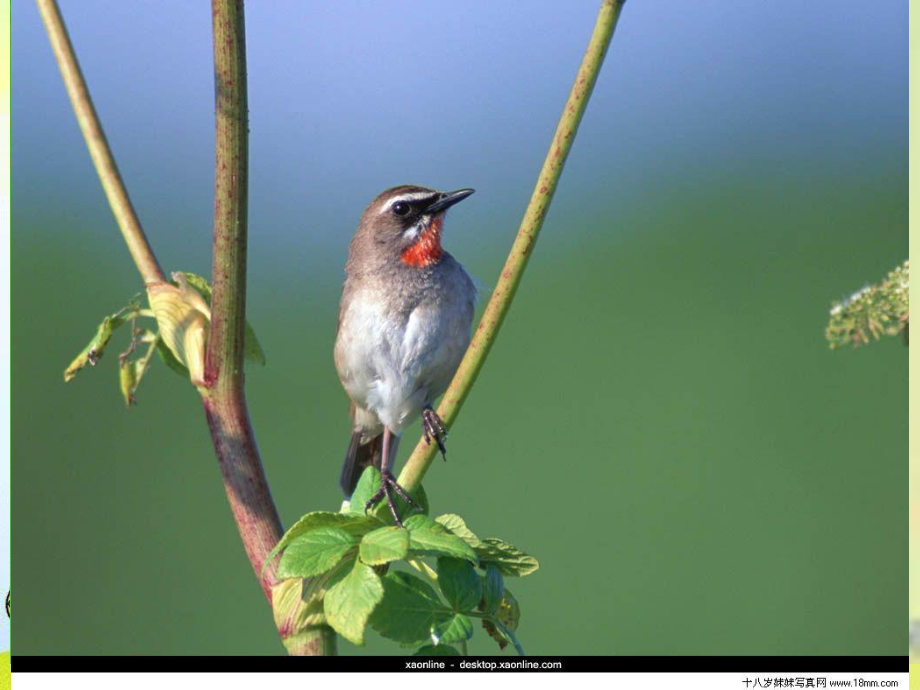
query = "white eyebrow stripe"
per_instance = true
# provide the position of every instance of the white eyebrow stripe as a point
(409, 196)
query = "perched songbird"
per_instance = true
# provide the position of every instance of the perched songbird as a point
(404, 324)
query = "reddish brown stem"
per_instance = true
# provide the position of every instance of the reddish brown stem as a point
(224, 397)
(244, 480)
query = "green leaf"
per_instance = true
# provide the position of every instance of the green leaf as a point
(93, 352)
(367, 486)
(350, 601)
(384, 545)
(171, 360)
(437, 650)
(410, 609)
(430, 538)
(252, 350)
(131, 371)
(298, 604)
(509, 611)
(509, 559)
(457, 628)
(201, 285)
(419, 496)
(493, 589)
(315, 552)
(459, 583)
(353, 524)
(457, 526)
(306, 610)
(509, 616)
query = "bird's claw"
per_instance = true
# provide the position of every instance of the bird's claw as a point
(388, 482)
(433, 427)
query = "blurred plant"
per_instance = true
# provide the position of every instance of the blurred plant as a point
(875, 310)
(336, 570)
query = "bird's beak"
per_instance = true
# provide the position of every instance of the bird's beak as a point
(448, 199)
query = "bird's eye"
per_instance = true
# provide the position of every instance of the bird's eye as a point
(401, 208)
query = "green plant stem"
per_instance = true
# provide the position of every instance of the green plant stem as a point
(224, 400)
(417, 464)
(98, 145)
(224, 395)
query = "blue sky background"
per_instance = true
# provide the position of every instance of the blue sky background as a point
(349, 97)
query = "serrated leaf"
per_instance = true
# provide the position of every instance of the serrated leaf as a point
(430, 538)
(457, 526)
(252, 350)
(509, 559)
(410, 609)
(509, 615)
(421, 566)
(420, 497)
(437, 650)
(316, 552)
(353, 524)
(368, 485)
(384, 545)
(493, 589)
(93, 352)
(351, 599)
(457, 628)
(459, 583)
(298, 604)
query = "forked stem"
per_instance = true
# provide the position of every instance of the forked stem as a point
(223, 398)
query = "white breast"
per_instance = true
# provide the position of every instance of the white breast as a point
(393, 366)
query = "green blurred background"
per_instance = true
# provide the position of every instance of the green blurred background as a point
(660, 422)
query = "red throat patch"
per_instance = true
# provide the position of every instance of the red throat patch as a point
(427, 248)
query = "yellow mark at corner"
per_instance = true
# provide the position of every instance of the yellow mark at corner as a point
(5, 682)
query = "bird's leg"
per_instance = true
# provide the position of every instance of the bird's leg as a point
(388, 482)
(433, 427)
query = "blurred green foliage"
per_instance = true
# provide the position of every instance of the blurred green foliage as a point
(873, 310)
(660, 420)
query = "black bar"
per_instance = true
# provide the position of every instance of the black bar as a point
(548, 664)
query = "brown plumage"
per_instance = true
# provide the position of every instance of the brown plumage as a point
(404, 324)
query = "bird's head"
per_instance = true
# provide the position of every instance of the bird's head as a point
(405, 223)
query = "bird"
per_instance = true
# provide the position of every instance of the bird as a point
(404, 324)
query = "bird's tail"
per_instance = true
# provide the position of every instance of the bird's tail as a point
(360, 456)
